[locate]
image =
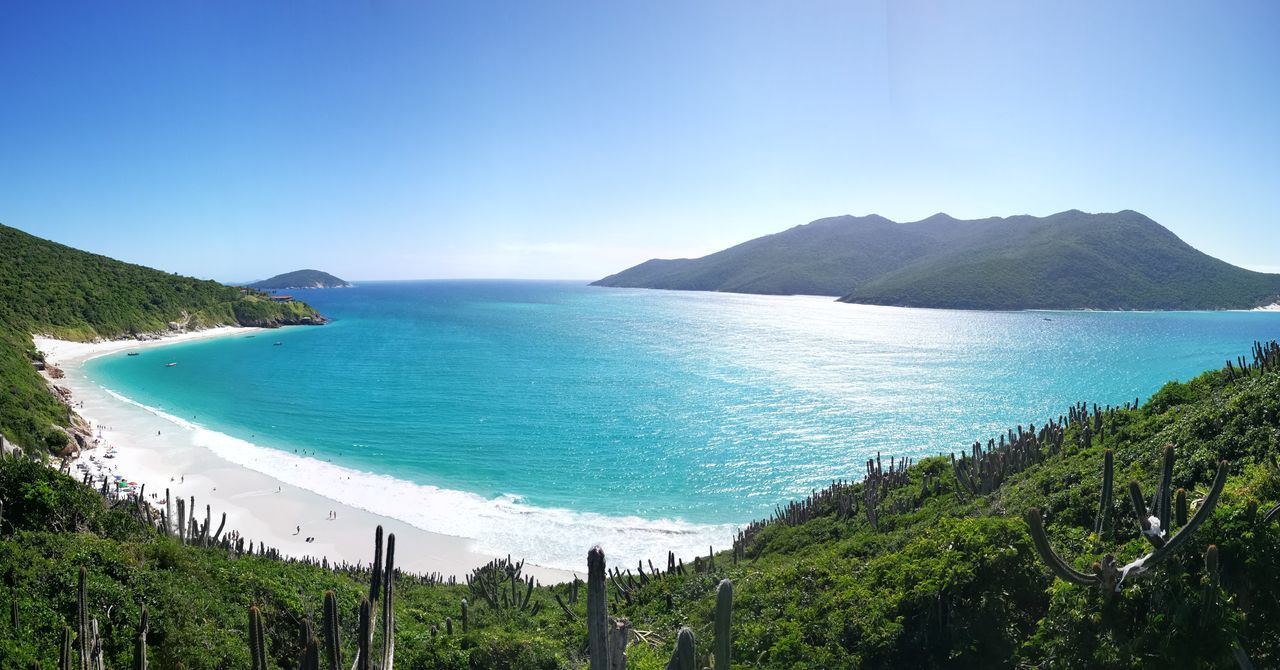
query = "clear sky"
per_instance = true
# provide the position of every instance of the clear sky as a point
(384, 139)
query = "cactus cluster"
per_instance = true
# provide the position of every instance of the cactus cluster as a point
(983, 470)
(328, 645)
(501, 584)
(608, 637)
(1155, 523)
(1266, 357)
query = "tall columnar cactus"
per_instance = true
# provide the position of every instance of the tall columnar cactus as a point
(388, 612)
(375, 584)
(1104, 504)
(619, 635)
(257, 641)
(466, 616)
(1180, 508)
(683, 656)
(168, 513)
(363, 634)
(64, 653)
(82, 620)
(1271, 514)
(597, 610)
(140, 648)
(182, 521)
(329, 630)
(1211, 579)
(724, 620)
(1155, 522)
(1107, 573)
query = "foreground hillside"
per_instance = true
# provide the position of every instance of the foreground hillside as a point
(1070, 260)
(52, 289)
(926, 566)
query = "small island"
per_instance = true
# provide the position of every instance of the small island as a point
(301, 279)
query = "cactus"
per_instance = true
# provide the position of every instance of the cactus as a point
(257, 642)
(448, 626)
(724, 617)
(388, 612)
(64, 655)
(375, 585)
(329, 626)
(1211, 578)
(466, 617)
(140, 651)
(310, 654)
(82, 619)
(619, 635)
(362, 636)
(182, 521)
(568, 613)
(597, 610)
(1104, 505)
(683, 656)
(1180, 507)
(1106, 573)
(1271, 514)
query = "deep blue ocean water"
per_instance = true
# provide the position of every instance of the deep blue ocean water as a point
(700, 407)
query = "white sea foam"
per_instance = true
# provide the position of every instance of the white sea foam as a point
(552, 537)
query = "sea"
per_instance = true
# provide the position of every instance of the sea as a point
(539, 418)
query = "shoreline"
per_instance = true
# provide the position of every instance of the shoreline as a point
(159, 451)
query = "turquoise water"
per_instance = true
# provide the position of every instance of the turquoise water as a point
(700, 407)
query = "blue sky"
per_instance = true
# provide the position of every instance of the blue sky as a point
(384, 139)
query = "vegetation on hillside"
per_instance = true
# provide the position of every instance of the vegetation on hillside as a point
(1070, 260)
(51, 289)
(929, 565)
(300, 279)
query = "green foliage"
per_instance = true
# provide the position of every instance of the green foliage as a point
(952, 583)
(51, 289)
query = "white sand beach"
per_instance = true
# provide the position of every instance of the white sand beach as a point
(151, 448)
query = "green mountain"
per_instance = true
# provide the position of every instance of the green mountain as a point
(51, 289)
(932, 565)
(301, 279)
(1070, 260)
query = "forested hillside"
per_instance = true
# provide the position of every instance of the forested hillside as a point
(1070, 260)
(51, 289)
(924, 565)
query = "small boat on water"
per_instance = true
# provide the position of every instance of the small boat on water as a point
(277, 344)
(169, 365)
(132, 353)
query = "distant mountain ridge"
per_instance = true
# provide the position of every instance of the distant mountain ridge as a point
(301, 279)
(1069, 260)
